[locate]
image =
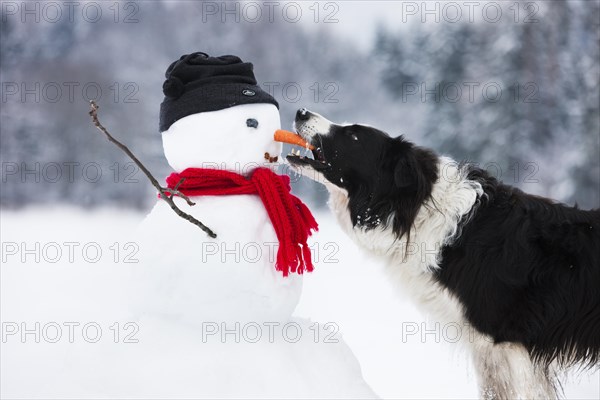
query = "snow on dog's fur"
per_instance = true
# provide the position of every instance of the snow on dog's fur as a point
(522, 270)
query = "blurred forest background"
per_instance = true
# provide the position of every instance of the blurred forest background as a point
(435, 83)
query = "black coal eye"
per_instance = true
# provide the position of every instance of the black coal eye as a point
(251, 123)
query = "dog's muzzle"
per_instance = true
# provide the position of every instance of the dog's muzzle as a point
(308, 125)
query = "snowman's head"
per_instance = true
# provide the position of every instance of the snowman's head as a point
(234, 139)
(215, 115)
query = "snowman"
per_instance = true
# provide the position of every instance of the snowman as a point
(216, 122)
(226, 303)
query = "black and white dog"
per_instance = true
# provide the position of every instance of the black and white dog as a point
(524, 271)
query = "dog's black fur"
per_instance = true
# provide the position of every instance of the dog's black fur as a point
(526, 269)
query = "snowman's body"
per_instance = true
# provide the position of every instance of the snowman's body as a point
(232, 276)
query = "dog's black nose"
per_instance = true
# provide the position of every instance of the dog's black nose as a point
(302, 114)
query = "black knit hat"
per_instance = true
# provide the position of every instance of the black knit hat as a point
(197, 83)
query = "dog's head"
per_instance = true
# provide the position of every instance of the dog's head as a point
(385, 179)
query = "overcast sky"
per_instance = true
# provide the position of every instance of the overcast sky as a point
(357, 20)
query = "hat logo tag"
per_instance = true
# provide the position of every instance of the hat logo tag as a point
(248, 92)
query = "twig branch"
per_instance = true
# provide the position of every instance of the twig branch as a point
(165, 193)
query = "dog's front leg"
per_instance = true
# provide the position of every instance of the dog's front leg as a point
(505, 371)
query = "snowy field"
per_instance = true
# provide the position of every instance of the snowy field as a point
(69, 270)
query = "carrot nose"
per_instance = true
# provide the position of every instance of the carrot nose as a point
(284, 136)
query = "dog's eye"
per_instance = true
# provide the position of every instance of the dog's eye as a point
(251, 123)
(354, 137)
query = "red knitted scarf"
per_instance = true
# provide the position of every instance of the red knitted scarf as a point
(291, 218)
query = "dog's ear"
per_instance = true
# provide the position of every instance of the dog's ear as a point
(416, 170)
(406, 172)
(415, 173)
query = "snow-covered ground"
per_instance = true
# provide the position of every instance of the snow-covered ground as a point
(52, 274)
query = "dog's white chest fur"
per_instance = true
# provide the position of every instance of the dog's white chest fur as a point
(436, 224)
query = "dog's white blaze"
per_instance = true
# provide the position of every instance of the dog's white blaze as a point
(317, 124)
(504, 370)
